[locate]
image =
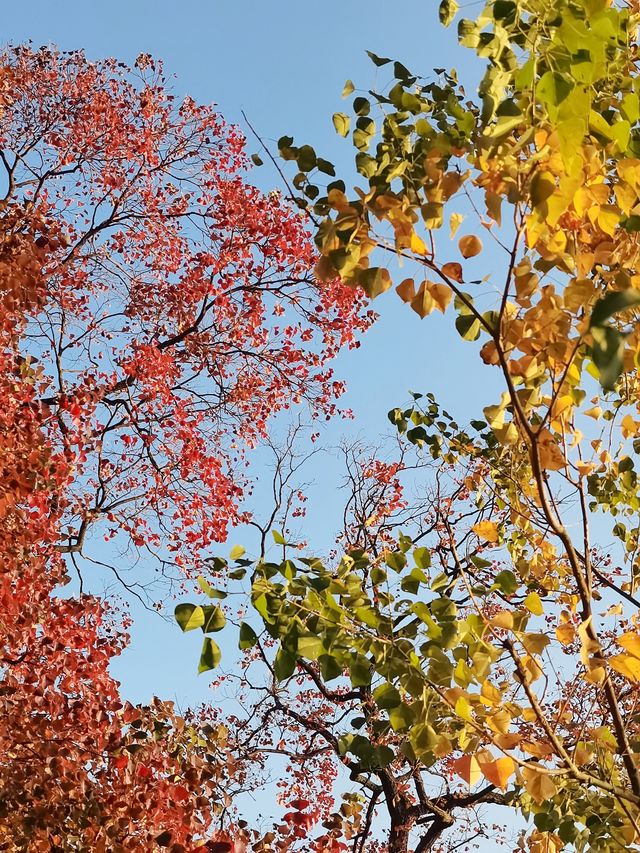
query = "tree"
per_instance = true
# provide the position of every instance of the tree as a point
(498, 659)
(156, 310)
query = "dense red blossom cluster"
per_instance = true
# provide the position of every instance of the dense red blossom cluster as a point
(155, 311)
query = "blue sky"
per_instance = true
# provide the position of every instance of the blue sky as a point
(284, 64)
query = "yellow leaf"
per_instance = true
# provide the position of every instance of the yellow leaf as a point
(487, 530)
(630, 642)
(503, 619)
(595, 675)
(490, 693)
(589, 645)
(338, 200)
(585, 468)
(500, 721)
(463, 709)
(551, 457)
(608, 219)
(595, 413)
(540, 787)
(578, 293)
(566, 633)
(467, 768)
(533, 604)
(508, 741)
(626, 665)
(535, 644)
(537, 748)
(498, 772)
(532, 667)
(236, 552)
(470, 246)
(418, 245)
(455, 221)
(628, 426)
(507, 434)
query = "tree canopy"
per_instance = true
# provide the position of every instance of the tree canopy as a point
(467, 659)
(494, 655)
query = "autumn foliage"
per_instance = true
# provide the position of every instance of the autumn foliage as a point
(484, 653)
(156, 311)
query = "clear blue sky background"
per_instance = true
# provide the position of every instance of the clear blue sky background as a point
(284, 64)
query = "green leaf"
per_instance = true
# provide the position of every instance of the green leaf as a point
(310, 647)
(422, 558)
(402, 717)
(374, 281)
(468, 33)
(411, 583)
(506, 581)
(214, 618)
(326, 167)
(417, 435)
(329, 667)
(361, 106)
(189, 616)
(387, 696)
(257, 160)
(236, 552)
(396, 560)
(505, 10)
(382, 756)
(278, 538)
(342, 123)
(261, 605)
(237, 574)
(377, 60)
(613, 303)
(284, 665)
(631, 223)
(306, 158)
(210, 655)
(208, 590)
(607, 351)
(360, 672)
(553, 88)
(248, 637)
(468, 327)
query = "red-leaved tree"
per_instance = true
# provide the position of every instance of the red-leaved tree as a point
(155, 311)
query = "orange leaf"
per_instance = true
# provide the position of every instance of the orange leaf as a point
(467, 768)
(422, 303)
(498, 772)
(406, 290)
(453, 270)
(566, 633)
(441, 294)
(470, 246)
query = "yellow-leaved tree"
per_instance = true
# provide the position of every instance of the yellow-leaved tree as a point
(497, 659)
